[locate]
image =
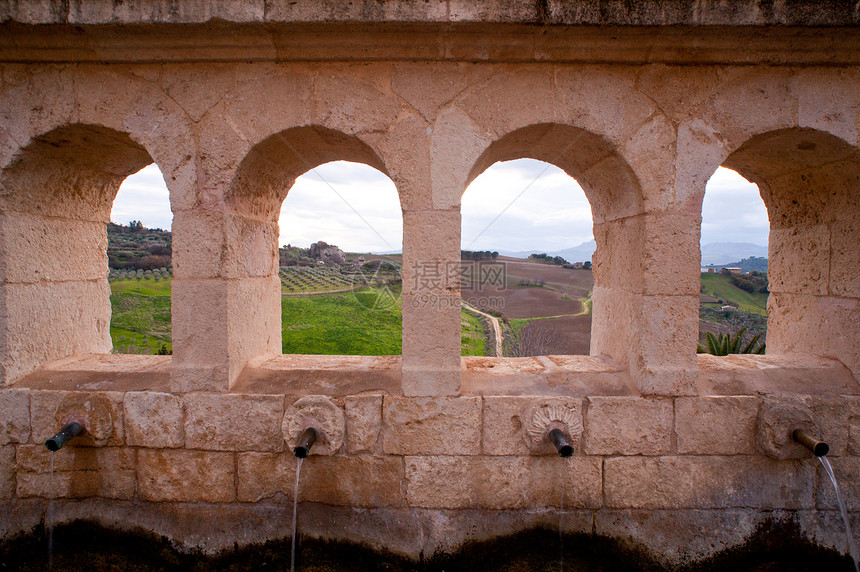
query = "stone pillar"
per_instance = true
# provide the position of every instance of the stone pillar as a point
(226, 297)
(431, 302)
(54, 294)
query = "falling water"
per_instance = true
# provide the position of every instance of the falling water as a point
(295, 514)
(852, 547)
(49, 518)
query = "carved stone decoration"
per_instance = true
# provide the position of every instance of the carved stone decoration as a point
(93, 412)
(777, 420)
(546, 415)
(322, 414)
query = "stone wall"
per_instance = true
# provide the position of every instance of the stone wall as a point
(233, 101)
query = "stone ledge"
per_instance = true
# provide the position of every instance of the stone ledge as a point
(453, 42)
(553, 12)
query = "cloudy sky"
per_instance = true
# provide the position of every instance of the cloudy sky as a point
(356, 207)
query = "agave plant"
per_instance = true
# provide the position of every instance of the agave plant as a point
(726, 344)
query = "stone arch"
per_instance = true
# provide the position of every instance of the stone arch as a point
(249, 258)
(809, 181)
(615, 195)
(55, 201)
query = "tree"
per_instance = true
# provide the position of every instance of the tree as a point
(586, 265)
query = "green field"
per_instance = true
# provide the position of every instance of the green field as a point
(342, 323)
(473, 338)
(361, 322)
(140, 315)
(721, 287)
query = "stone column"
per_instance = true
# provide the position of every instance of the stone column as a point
(431, 302)
(54, 294)
(226, 297)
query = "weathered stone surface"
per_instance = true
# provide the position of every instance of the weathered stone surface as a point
(154, 420)
(233, 422)
(14, 416)
(628, 426)
(707, 482)
(505, 419)
(716, 425)
(431, 425)
(854, 435)
(79, 472)
(833, 414)
(335, 480)
(363, 422)
(7, 471)
(99, 412)
(503, 482)
(185, 476)
(679, 536)
(847, 472)
(37, 459)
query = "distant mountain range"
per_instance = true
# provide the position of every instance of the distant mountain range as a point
(714, 253)
(725, 253)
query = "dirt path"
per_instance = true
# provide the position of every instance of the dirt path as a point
(497, 328)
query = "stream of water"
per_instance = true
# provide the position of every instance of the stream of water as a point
(852, 546)
(561, 527)
(49, 518)
(295, 514)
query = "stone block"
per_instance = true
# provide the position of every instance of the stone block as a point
(723, 425)
(37, 459)
(101, 412)
(847, 472)
(7, 471)
(109, 484)
(363, 422)
(79, 472)
(185, 476)
(431, 425)
(799, 260)
(49, 321)
(671, 254)
(628, 426)
(506, 418)
(154, 420)
(737, 481)
(361, 481)
(844, 261)
(431, 344)
(833, 414)
(200, 336)
(234, 422)
(503, 482)
(854, 435)
(791, 317)
(198, 242)
(665, 345)
(58, 250)
(14, 416)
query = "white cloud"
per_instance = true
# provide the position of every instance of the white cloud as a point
(733, 210)
(348, 204)
(514, 205)
(143, 196)
(524, 204)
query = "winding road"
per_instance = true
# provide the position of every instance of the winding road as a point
(497, 327)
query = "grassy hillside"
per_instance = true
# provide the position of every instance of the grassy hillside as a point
(363, 322)
(140, 315)
(720, 287)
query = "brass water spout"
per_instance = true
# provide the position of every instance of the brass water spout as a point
(306, 441)
(65, 435)
(562, 445)
(818, 448)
